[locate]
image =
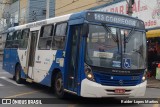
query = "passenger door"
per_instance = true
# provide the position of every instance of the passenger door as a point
(72, 71)
(32, 49)
(44, 54)
(23, 49)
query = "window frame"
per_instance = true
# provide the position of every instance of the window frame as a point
(54, 34)
(15, 33)
(41, 33)
(22, 38)
(9, 40)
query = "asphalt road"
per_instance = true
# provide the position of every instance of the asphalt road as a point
(9, 89)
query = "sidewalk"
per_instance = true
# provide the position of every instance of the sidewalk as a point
(153, 83)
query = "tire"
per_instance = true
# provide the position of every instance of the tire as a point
(18, 74)
(58, 86)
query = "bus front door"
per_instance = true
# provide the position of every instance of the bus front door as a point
(72, 72)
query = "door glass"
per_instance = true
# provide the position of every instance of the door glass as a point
(34, 35)
(73, 64)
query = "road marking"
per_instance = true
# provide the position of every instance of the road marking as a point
(4, 73)
(1, 85)
(22, 94)
(11, 81)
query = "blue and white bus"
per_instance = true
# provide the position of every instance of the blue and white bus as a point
(90, 54)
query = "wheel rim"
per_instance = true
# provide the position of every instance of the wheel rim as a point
(59, 85)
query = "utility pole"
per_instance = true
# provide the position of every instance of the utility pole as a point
(130, 3)
(19, 12)
(47, 8)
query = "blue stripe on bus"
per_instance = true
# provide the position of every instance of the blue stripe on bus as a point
(47, 80)
(10, 60)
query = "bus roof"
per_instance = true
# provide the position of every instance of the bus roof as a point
(72, 16)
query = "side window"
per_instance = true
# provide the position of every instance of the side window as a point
(23, 43)
(16, 39)
(45, 38)
(60, 36)
(9, 40)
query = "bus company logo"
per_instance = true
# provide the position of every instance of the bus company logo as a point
(120, 82)
(38, 59)
(119, 71)
(6, 101)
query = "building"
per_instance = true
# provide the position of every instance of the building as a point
(26, 11)
(3, 26)
(69, 6)
(18, 12)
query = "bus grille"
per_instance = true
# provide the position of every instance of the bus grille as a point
(105, 79)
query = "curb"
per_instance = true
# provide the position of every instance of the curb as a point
(153, 86)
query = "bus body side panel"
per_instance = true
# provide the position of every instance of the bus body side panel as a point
(45, 62)
(10, 59)
(56, 63)
(14, 59)
(6, 60)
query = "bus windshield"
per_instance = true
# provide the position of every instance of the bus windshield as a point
(115, 48)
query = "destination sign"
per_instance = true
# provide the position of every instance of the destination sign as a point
(117, 19)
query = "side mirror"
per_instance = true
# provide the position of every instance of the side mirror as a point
(85, 30)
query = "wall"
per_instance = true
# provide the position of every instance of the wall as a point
(37, 10)
(2, 20)
(11, 12)
(68, 6)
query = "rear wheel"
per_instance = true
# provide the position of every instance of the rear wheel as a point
(58, 85)
(18, 74)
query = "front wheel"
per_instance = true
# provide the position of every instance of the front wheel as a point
(58, 86)
(18, 74)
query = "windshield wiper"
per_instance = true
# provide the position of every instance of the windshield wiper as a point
(129, 35)
(127, 38)
(108, 30)
(138, 51)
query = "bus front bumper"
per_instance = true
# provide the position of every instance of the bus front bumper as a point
(93, 89)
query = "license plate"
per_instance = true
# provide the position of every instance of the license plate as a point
(119, 91)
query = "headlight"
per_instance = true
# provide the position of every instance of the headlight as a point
(88, 73)
(144, 77)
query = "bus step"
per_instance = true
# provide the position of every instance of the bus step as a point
(29, 80)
